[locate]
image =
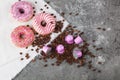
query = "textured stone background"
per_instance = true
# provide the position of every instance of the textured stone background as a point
(92, 14)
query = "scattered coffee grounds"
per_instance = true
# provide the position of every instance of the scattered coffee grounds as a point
(35, 2)
(70, 13)
(21, 53)
(33, 60)
(63, 20)
(45, 5)
(33, 7)
(26, 47)
(62, 14)
(27, 56)
(44, 59)
(78, 66)
(74, 26)
(54, 16)
(48, 2)
(82, 62)
(32, 49)
(76, 30)
(22, 59)
(90, 54)
(81, 33)
(98, 28)
(40, 58)
(94, 69)
(93, 41)
(33, 15)
(58, 26)
(104, 29)
(45, 65)
(41, 40)
(67, 56)
(89, 62)
(28, 25)
(37, 50)
(34, 11)
(77, 14)
(43, 54)
(52, 64)
(89, 66)
(99, 49)
(99, 62)
(99, 71)
(41, 9)
(94, 46)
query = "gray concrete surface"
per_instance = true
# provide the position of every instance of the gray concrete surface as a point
(92, 14)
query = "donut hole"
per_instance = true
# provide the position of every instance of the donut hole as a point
(21, 36)
(21, 11)
(43, 23)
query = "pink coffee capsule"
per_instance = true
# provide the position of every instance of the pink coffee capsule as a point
(78, 40)
(60, 49)
(69, 39)
(46, 49)
(77, 54)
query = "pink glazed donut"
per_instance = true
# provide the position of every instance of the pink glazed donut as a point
(22, 11)
(22, 36)
(44, 23)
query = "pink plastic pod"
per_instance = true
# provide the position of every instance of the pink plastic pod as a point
(77, 54)
(69, 39)
(60, 49)
(46, 49)
(78, 40)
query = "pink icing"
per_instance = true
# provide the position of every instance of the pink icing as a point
(48, 28)
(22, 11)
(22, 36)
